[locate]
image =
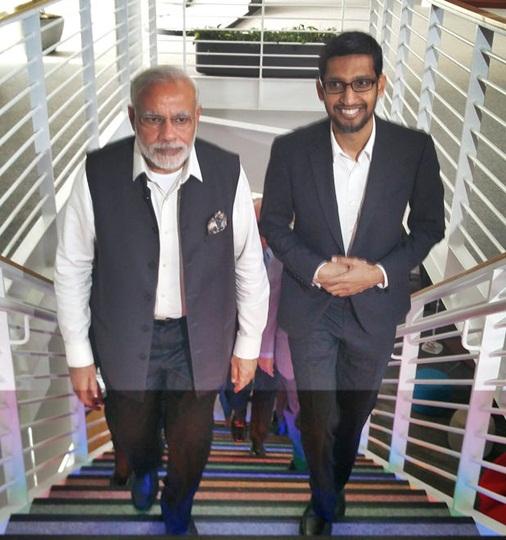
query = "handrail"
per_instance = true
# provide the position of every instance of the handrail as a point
(12, 272)
(26, 7)
(477, 13)
(488, 265)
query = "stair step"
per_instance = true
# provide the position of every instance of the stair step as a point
(442, 528)
(226, 509)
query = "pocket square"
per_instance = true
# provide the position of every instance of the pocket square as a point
(217, 223)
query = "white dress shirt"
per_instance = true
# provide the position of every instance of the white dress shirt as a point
(75, 253)
(350, 182)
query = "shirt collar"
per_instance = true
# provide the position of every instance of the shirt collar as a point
(190, 168)
(367, 151)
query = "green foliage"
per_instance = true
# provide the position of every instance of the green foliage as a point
(299, 34)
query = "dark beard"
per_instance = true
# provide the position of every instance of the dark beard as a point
(347, 128)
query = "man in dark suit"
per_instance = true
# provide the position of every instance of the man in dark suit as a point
(345, 184)
(160, 282)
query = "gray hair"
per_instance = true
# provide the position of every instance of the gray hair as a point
(158, 74)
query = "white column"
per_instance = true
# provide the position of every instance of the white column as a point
(482, 395)
(11, 445)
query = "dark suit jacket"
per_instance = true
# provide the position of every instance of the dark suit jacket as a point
(299, 187)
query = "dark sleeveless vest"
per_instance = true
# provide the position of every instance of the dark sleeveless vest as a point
(125, 271)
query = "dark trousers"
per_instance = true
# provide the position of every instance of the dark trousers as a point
(170, 404)
(263, 396)
(338, 368)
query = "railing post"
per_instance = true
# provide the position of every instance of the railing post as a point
(472, 123)
(153, 33)
(385, 39)
(135, 42)
(431, 62)
(374, 19)
(122, 50)
(90, 88)
(407, 373)
(38, 99)
(11, 445)
(402, 56)
(482, 394)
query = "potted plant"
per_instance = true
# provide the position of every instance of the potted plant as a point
(286, 53)
(51, 29)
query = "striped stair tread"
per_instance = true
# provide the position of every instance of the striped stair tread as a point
(346, 528)
(240, 495)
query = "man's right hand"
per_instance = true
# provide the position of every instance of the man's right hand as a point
(84, 382)
(329, 274)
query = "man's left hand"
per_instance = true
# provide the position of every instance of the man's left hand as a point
(242, 372)
(361, 275)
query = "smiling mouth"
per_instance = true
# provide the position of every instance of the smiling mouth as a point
(350, 112)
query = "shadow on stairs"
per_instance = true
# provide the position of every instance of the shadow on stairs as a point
(239, 495)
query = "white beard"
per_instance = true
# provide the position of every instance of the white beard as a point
(161, 161)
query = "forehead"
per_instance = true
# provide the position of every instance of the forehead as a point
(171, 96)
(350, 66)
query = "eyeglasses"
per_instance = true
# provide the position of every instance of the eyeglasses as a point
(334, 86)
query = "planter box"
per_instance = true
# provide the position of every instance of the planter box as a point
(51, 28)
(232, 59)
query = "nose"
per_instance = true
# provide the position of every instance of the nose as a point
(167, 131)
(348, 96)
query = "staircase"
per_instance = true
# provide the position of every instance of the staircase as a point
(239, 495)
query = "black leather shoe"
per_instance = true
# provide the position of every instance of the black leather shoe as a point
(311, 524)
(144, 490)
(119, 481)
(257, 449)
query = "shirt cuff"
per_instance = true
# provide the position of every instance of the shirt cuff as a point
(316, 283)
(383, 285)
(79, 354)
(247, 347)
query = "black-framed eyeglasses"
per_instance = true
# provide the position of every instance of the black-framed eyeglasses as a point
(334, 86)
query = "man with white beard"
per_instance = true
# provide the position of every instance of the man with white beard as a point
(160, 283)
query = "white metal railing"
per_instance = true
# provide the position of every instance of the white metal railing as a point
(435, 419)
(65, 85)
(43, 431)
(445, 67)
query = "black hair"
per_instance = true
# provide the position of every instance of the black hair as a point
(347, 43)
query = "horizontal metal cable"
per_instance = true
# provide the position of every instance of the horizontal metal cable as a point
(449, 107)
(379, 443)
(486, 231)
(46, 420)
(473, 244)
(435, 447)
(441, 148)
(42, 399)
(72, 140)
(443, 404)
(434, 425)
(452, 60)
(19, 151)
(16, 210)
(19, 96)
(79, 156)
(488, 172)
(448, 358)
(28, 169)
(380, 428)
(473, 188)
(49, 441)
(455, 35)
(383, 413)
(431, 468)
(47, 462)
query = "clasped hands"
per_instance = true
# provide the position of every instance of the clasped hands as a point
(346, 276)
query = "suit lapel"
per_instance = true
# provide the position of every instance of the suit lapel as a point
(379, 172)
(323, 176)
